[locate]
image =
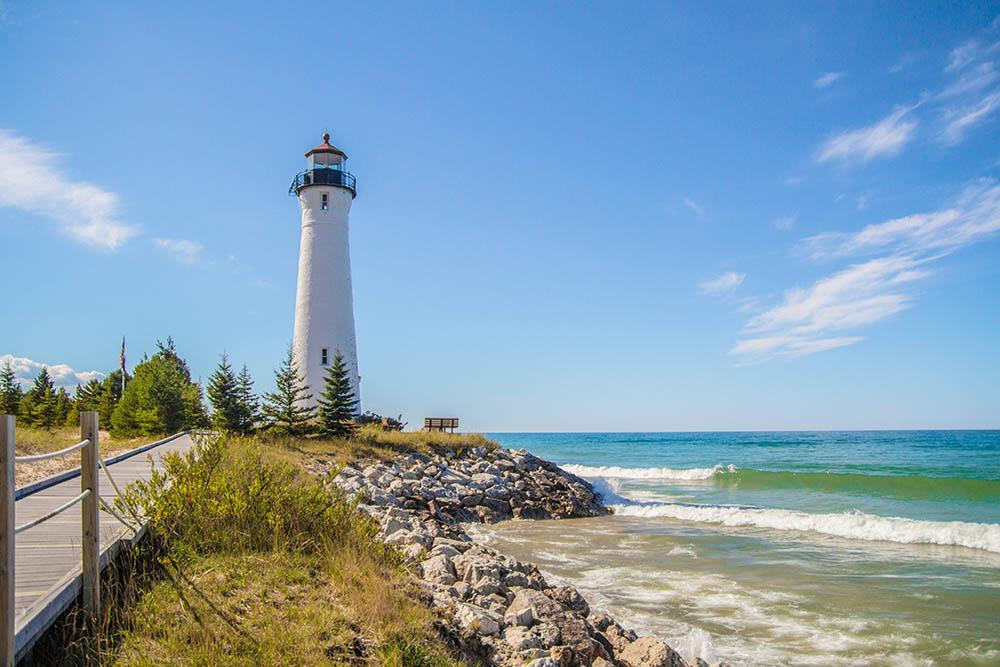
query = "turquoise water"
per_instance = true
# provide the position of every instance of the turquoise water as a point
(786, 548)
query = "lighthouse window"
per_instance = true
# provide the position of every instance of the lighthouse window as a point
(326, 205)
(325, 354)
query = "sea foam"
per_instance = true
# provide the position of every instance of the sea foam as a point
(617, 472)
(851, 525)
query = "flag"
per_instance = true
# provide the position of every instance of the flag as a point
(123, 365)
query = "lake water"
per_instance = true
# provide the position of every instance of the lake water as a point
(784, 548)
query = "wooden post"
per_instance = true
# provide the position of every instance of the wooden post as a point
(7, 645)
(91, 516)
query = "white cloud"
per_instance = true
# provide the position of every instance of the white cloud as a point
(971, 81)
(30, 180)
(62, 374)
(860, 294)
(975, 215)
(969, 52)
(784, 223)
(727, 282)
(960, 120)
(883, 139)
(792, 181)
(694, 206)
(183, 250)
(827, 79)
(820, 316)
(788, 347)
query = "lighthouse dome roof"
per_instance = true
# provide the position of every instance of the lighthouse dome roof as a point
(326, 147)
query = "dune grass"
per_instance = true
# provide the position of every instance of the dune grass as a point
(262, 565)
(371, 443)
(32, 440)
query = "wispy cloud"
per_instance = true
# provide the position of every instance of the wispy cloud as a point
(722, 284)
(883, 139)
(827, 79)
(970, 51)
(694, 206)
(62, 375)
(31, 181)
(975, 216)
(960, 120)
(183, 250)
(827, 313)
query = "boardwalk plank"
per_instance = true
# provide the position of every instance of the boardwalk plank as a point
(48, 557)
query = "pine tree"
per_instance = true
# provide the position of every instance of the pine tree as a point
(338, 407)
(160, 397)
(38, 405)
(88, 396)
(285, 410)
(10, 390)
(109, 395)
(224, 395)
(249, 406)
(62, 405)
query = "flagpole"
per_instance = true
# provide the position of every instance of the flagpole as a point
(123, 365)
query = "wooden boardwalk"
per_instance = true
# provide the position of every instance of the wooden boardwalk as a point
(47, 569)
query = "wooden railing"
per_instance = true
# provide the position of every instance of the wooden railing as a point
(90, 521)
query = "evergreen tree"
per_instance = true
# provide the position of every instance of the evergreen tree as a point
(109, 395)
(223, 394)
(338, 407)
(161, 398)
(10, 390)
(285, 410)
(62, 406)
(249, 405)
(38, 404)
(88, 396)
(44, 413)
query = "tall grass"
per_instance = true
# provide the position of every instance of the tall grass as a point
(371, 442)
(263, 565)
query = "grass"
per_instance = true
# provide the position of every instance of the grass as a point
(31, 440)
(259, 564)
(372, 443)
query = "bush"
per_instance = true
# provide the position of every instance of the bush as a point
(224, 496)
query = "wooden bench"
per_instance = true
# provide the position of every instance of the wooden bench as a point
(440, 423)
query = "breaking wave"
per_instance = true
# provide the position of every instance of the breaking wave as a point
(910, 487)
(617, 472)
(851, 525)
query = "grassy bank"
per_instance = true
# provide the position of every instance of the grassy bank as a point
(257, 563)
(31, 440)
(370, 443)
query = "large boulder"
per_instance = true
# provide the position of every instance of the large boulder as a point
(650, 652)
(477, 620)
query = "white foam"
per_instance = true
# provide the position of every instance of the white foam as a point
(851, 525)
(618, 472)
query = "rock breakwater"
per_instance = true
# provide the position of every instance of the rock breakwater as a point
(502, 611)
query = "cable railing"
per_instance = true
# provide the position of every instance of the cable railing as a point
(90, 522)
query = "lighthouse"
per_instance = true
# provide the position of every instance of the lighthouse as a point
(324, 303)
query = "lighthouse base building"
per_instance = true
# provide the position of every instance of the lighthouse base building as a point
(324, 300)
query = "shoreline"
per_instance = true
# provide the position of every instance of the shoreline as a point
(499, 610)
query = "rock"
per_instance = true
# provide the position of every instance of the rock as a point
(543, 662)
(650, 652)
(439, 569)
(519, 613)
(570, 598)
(477, 620)
(548, 634)
(600, 662)
(520, 639)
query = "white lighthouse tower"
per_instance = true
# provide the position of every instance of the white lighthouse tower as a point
(324, 303)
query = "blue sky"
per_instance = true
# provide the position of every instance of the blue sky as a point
(570, 217)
